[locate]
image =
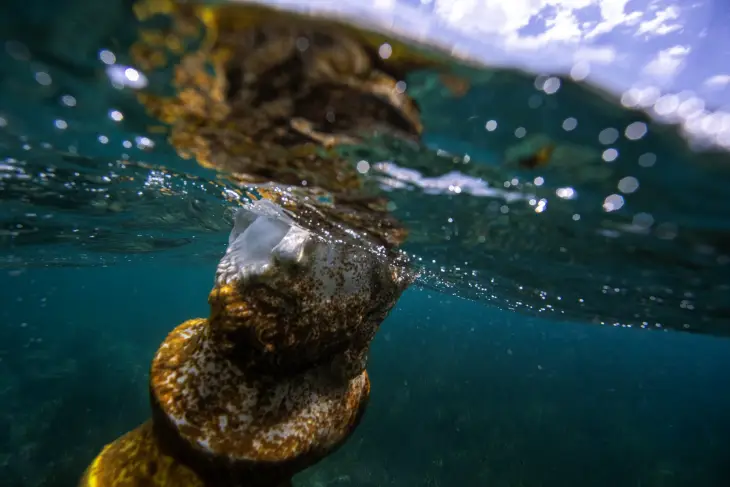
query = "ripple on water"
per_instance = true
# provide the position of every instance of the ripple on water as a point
(534, 193)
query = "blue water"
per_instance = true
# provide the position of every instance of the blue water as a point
(546, 379)
(463, 394)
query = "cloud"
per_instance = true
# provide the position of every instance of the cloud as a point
(595, 54)
(509, 19)
(659, 25)
(666, 63)
(563, 27)
(613, 15)
(488, 15)
(717, 81)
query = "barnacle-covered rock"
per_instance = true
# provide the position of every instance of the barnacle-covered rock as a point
(136, 459)
(236, 427)
(288, 299)
(274, 380)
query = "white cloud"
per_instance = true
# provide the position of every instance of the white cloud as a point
(488, 15)
(612, 15)
(384, 4)
(666, 63)
(506, 18)
(660, 24)
(563, 27)
(717, 81)
(595, 54)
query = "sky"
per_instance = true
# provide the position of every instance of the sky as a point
(670, 57)
(674, 45)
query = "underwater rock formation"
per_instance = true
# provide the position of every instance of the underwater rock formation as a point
(274, 380)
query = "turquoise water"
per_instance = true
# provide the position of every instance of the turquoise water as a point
(544, 377)
(463, 394)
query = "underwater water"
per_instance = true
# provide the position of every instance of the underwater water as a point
(552, 226)
(463, 394)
